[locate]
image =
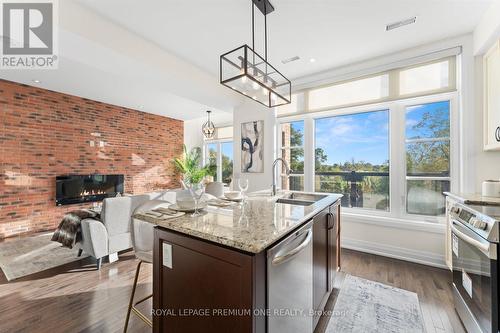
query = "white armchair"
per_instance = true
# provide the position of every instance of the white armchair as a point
(112, 233)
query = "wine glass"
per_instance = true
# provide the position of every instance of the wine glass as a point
(243, 185)
(196, 191)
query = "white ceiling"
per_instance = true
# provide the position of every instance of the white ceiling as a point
(333, 32)
(162, 56)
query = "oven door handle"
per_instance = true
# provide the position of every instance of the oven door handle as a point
(485, 248)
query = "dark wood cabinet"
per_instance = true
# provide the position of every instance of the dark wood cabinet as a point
(200, 286)
(326, 229)
(205, 287)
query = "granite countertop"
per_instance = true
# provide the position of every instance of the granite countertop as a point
(474, 199)
(250, 228)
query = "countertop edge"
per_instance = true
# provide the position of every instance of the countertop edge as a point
(242, 246)
(478, 200)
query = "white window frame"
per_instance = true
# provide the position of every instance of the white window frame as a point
(218, 144)
(281, 147)
(397, 151)
(454, 149)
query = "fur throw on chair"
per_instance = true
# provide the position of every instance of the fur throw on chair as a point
(69, 230)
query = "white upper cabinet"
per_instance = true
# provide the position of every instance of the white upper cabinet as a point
(492, 98)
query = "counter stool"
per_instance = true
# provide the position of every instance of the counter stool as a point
(142, 242)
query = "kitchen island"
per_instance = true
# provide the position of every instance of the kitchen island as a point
(265, 266)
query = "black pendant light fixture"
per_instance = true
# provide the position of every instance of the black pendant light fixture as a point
(208, 128)
(246, 72)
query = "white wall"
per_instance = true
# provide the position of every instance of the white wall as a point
(422, 244)
(193, 137)
(488, 29)
(247, 111)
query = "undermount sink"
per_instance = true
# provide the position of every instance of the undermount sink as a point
(301, 199)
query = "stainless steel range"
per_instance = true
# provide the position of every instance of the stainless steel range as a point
(475, 237)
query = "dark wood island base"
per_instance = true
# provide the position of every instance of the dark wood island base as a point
(202, 286)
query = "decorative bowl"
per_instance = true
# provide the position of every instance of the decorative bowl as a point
(233, 195)
(185, 202)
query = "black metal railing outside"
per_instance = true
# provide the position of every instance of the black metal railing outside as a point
(354, 195)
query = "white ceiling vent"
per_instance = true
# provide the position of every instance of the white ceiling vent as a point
(286, 61)
(400, 24)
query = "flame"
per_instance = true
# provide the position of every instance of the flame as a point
(92, 192)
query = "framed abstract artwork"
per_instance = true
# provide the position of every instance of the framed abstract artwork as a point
(252, 146)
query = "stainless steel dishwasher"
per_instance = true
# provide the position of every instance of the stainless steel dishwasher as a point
(290, 283)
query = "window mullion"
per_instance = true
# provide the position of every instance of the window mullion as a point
(219, 162)
(454, 145)
(397, 160)
(309, 154)
(426, 140)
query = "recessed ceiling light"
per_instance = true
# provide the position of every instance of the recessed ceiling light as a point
(400, 24)
(286, 61)
(36, 81)
(312, 60)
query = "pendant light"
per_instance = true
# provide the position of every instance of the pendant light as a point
(249, 74)
(208, 128)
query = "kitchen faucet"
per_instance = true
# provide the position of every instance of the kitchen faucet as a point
(288, 172)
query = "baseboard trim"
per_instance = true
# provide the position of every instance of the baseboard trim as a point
(419, 257)
(390, 222)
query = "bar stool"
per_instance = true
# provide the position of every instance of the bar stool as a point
(142, 242)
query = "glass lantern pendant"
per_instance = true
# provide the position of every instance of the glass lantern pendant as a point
(208, 128)
(249, 74)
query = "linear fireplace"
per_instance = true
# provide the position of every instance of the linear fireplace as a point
(72, 189)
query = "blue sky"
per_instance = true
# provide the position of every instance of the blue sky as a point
(415, 113)
(227, 149)
(362, 136)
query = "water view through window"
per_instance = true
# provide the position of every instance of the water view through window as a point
(352, 158)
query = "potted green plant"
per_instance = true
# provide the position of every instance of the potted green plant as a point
(189, 165)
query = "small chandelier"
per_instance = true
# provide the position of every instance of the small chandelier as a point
(247, 73)
(208, 128)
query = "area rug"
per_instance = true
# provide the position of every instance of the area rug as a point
(27, 255)
(365, 306)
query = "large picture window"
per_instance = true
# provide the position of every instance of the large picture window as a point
(352, 158)
(384, 141)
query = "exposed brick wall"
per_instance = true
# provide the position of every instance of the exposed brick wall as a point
(45, 133)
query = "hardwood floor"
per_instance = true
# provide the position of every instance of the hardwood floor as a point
(77, 298)
(433, 286)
